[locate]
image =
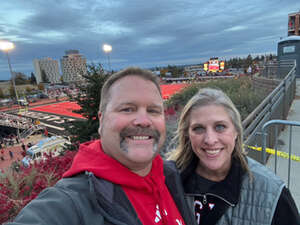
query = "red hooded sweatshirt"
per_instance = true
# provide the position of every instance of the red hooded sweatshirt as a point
(149, 195)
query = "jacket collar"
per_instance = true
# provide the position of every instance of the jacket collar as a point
(115, 199)
(229, 188)
(175, 187)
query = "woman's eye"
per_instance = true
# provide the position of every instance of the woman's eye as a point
(198, 129)
(220, 127)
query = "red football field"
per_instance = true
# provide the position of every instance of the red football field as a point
(66, 108)
(169, 89)
(62, 108)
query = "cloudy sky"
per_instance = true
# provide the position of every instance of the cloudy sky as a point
(144, 33)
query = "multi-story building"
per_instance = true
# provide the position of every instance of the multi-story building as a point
(73, 66)
(46, 70)
(294, 24)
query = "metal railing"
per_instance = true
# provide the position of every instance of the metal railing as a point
(277, 69)
(264, 142)
(285, 164)
(31, 130)
(275, 106)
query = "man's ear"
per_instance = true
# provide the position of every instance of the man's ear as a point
(100, 124)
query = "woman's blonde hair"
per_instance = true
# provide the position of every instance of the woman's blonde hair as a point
(183, 154)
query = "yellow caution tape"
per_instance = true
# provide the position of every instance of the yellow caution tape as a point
(279, 153)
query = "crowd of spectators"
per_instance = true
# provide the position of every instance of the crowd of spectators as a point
(8, 140)
(15, 121)
(26, 125)
(61, 91)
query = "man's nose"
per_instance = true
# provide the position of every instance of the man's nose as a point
(142, 119)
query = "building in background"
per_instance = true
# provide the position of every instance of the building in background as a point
(73, 66)
(289, 49)
(194, 70)
(46, 70)
(294, 24)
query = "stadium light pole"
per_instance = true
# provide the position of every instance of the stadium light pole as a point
(6, 46)
(107, 49)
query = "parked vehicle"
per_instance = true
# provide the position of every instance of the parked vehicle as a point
(54, 145)
(32, 98)
(42, 95)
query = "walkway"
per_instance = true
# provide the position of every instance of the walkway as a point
(17, 151)
(283, 145)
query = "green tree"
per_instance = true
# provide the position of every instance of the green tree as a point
(176, 71)
(28, 90)
(41, 87)
(248, 61)
(44, 77)
(89, 99)
(256, 58)
(1, 93)
(239, 90)
(32, 78)
(20, 78)
(12, 91)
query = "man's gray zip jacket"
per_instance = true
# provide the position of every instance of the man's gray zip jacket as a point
(87, 200)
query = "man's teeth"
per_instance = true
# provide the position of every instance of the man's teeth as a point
(140, 137)
(212, 152)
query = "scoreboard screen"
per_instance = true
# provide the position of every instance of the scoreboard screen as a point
(214, 65)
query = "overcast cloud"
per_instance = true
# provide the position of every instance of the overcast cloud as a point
(142, 33)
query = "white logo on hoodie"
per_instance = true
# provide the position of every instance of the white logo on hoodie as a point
(157, 213)
(158, 216)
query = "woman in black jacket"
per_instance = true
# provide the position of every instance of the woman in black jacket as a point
(221, 183)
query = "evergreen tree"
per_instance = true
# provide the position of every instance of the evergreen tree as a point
(41, 87)
(20, 78)
(44, 77)
(32, 78)
(175, 70)
(1, 93)
(89, 99)
(248, 61)
(12, 91)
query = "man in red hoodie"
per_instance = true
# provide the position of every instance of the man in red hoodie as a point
(119, 179)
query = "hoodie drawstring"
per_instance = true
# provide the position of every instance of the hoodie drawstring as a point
(90, 176)
(159, 199)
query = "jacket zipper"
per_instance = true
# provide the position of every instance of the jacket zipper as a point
(204, 199)
(217, 196)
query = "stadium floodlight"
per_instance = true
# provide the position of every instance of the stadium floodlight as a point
(107, 49)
